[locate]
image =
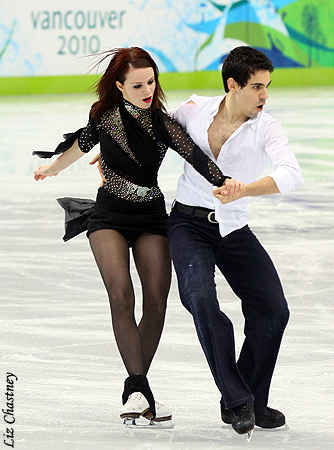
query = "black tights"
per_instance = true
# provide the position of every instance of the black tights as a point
(137, 343)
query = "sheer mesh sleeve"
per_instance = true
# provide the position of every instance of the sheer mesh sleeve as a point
(176, 138)
(87, 138)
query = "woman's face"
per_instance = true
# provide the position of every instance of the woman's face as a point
(138, 87)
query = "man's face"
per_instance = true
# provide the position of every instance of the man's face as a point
(252, 97)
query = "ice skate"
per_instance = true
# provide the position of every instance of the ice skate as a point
(271, 419)
(137, 398)
(135, 406)
(136, 413)
(163, 418)
(241, 418)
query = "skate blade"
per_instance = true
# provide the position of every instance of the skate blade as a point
(163, 424)
(249, 435)
(130, 422)
(284, 427)
(141, 422)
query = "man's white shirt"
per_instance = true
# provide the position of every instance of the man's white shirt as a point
(255, 145)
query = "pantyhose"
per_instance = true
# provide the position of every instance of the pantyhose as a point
(137, 343)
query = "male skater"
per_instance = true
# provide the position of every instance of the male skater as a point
(206, 231)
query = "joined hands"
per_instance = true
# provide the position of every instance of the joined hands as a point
(229, 191)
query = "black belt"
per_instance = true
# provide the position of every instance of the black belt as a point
(195, 211)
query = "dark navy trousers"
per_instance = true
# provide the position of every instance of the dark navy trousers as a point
(196, 249)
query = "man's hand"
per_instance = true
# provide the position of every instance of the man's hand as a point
(231, 187)
(229, 191)
(97, 159)
(265, 186)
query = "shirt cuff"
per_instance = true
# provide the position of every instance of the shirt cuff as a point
(287, 179)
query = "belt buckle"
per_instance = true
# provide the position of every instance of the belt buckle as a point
(209, 217)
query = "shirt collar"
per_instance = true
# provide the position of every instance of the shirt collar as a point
(215, 106)
(253, 123)
(250, 122)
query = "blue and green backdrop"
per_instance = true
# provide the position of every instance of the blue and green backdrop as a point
(44, 44)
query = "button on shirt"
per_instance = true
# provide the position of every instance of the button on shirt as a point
(255, 145)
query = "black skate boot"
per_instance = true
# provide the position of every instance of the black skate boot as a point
(242, 418)
(270, 418)
(225, 414)
(139, 383)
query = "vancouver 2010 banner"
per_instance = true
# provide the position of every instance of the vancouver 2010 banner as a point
(54, 37)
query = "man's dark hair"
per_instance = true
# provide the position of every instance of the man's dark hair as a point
(243, 62)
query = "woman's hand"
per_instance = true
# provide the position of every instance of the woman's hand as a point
(44, 171)
(97, 159)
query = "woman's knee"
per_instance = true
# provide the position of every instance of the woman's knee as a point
(121, 302)
(155, 304)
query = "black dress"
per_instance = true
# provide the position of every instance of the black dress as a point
(133, 143)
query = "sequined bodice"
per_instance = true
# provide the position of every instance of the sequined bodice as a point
(111, 122)
(172, 136)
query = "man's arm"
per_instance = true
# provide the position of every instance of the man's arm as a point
(286, 170)
(265, 186)
(181, 112)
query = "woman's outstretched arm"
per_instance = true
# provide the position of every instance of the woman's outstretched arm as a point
(65, 160)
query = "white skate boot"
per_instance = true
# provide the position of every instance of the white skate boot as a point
(137, 406)
(163, 414)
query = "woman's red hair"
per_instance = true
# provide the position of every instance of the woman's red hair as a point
(123, 59)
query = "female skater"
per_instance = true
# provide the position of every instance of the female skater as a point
(129, 122)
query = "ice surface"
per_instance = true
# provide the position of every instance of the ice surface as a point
(55, 332)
